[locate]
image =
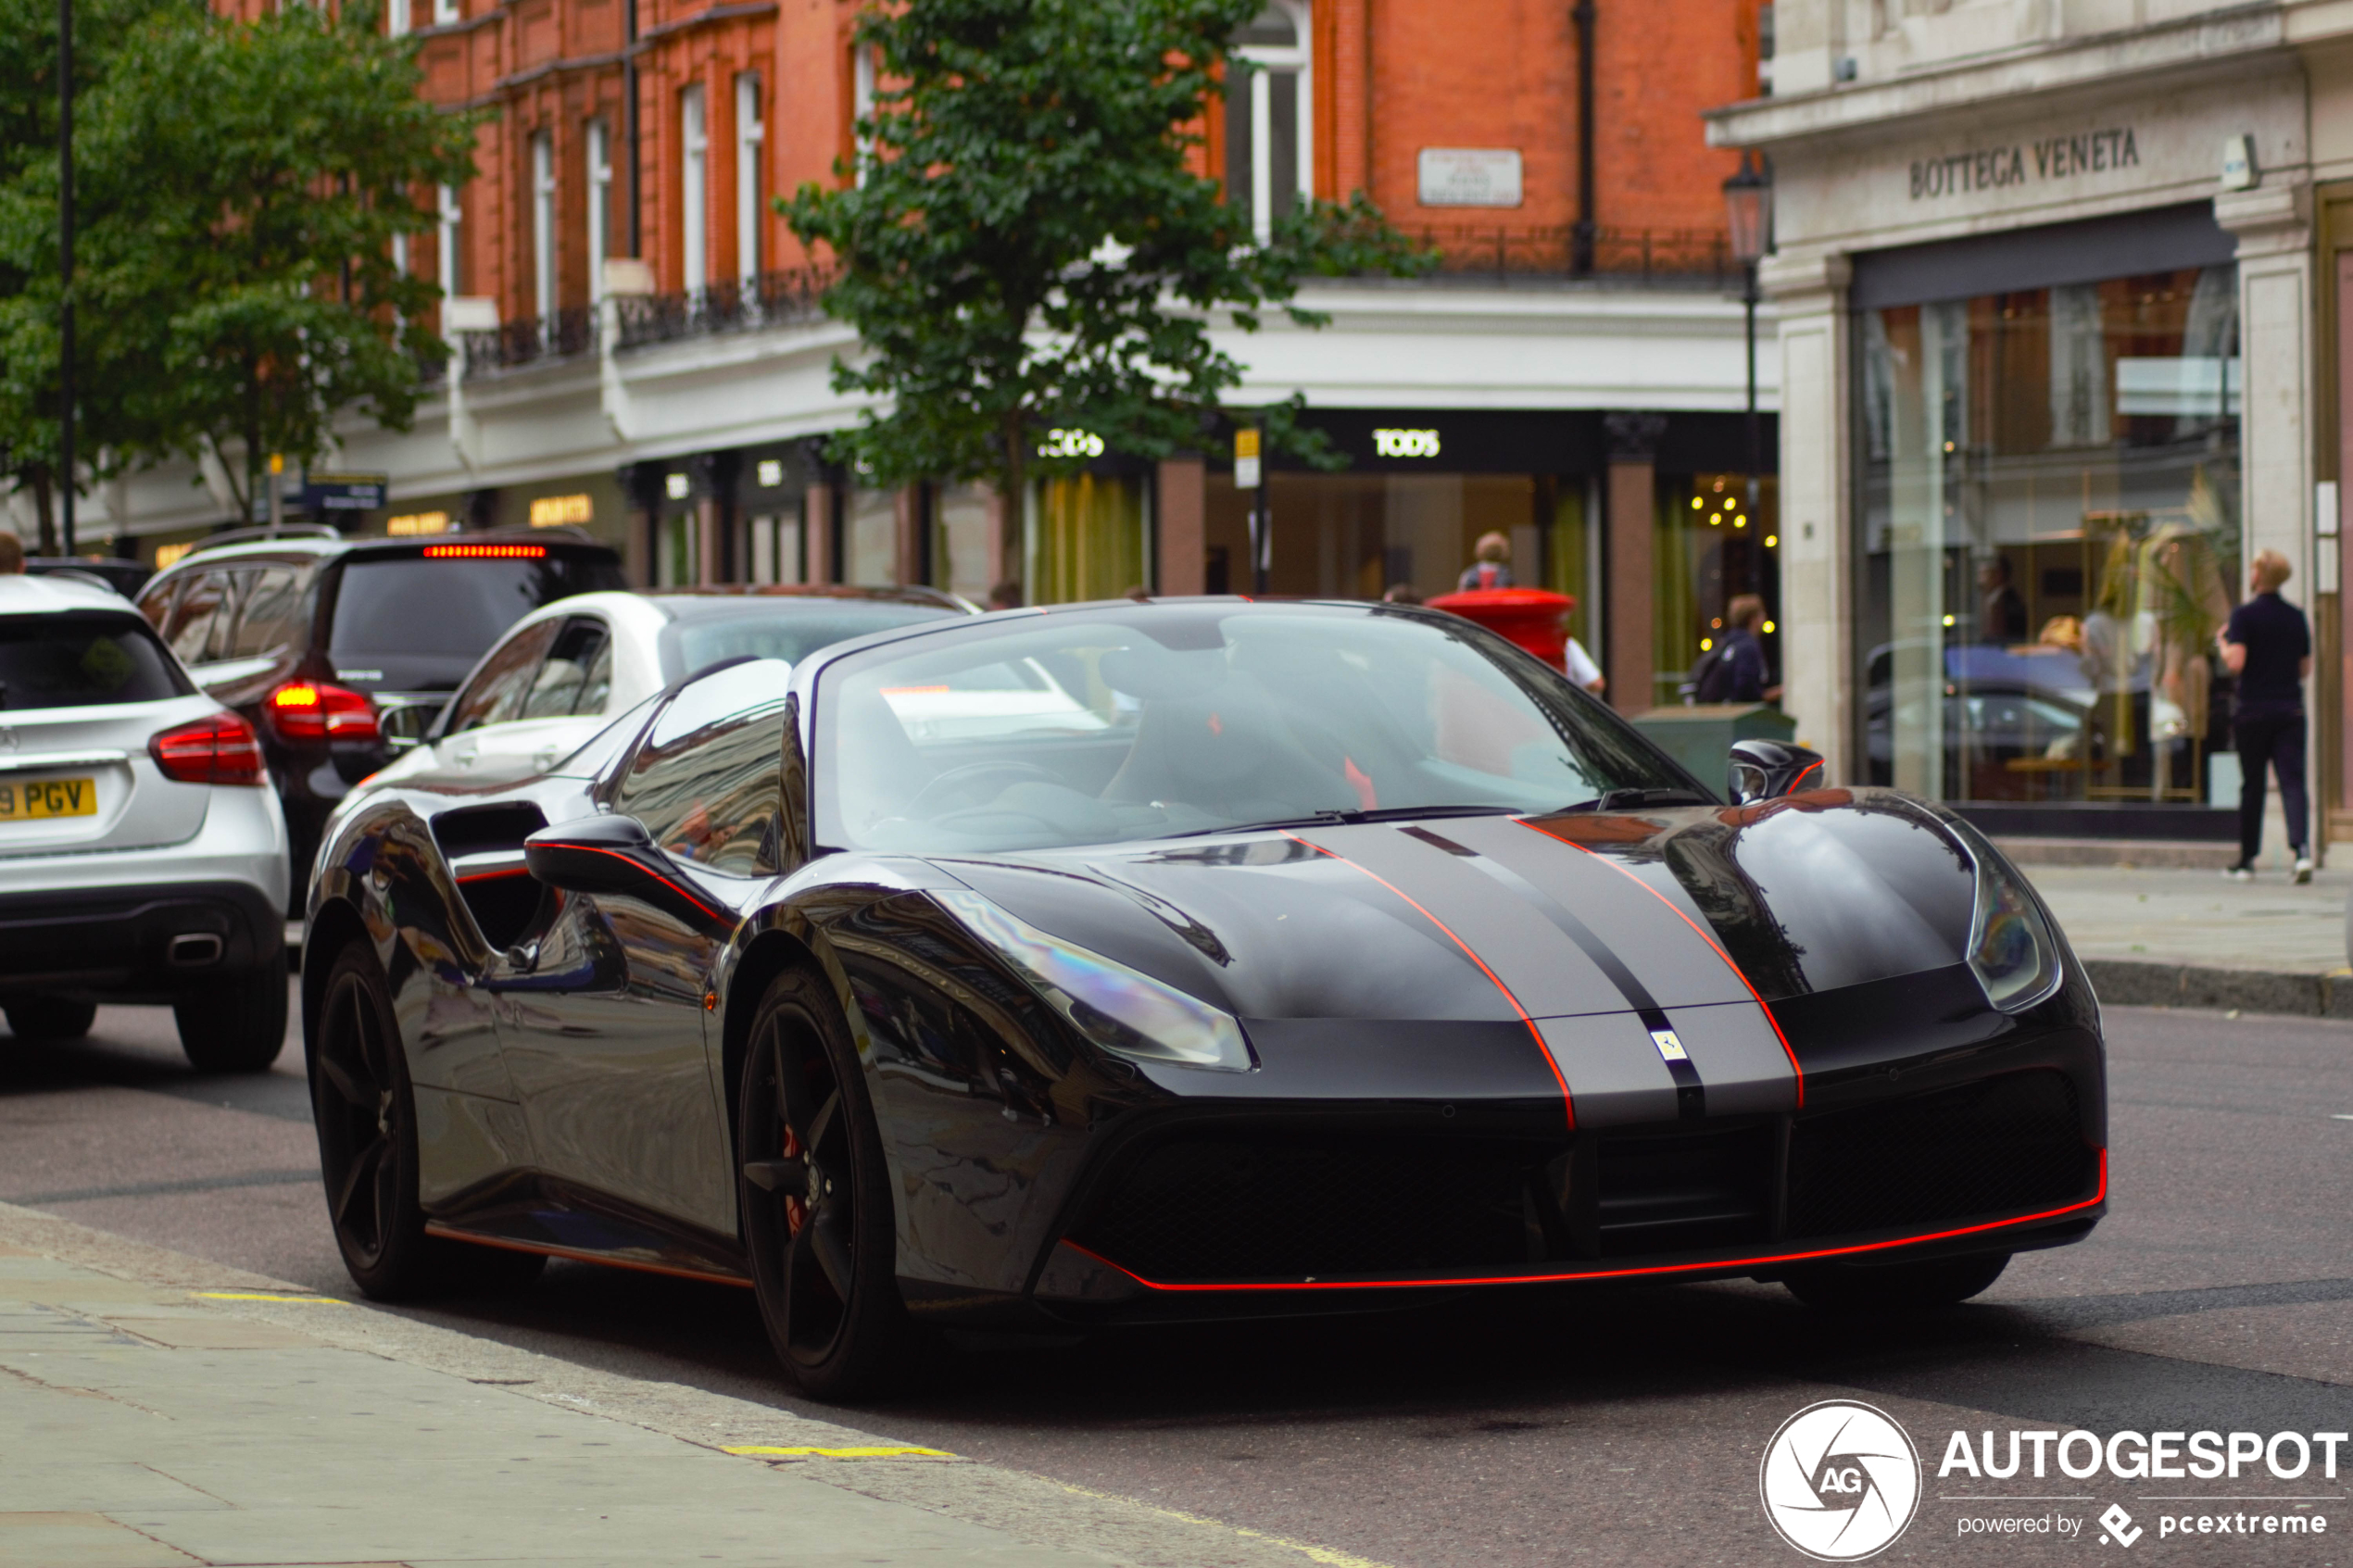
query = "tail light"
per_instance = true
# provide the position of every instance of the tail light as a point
(313, 710)
(222, 749)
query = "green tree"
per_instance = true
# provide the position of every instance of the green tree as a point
(238, 189)
(1029, 247)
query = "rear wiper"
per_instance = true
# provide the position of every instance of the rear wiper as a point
(1635, 799)
(1336, 816)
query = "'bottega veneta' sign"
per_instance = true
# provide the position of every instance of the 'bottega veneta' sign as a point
(2056, 158)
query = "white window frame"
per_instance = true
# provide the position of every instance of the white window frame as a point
(396, 19)
(693, 189)
(600, 148)
(750, 136)
(444, 12)
(1265, 60)
(543, 229)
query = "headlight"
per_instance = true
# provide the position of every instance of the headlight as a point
(2010, 944)
(1119, 1008)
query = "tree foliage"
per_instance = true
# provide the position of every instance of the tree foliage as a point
(1030, 246)
(238, 188)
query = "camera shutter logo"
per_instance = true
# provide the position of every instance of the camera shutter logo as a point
(1841, 1481)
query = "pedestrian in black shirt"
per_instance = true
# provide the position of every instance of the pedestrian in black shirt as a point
(2267, 645)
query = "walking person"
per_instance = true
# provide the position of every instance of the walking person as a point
(2267, 645)
(1493, 567)
(1733, 671)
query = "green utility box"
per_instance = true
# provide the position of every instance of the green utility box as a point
(1701, 735)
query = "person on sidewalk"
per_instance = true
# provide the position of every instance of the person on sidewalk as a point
(2267, 645)
(1492, 569)
(1733, 671)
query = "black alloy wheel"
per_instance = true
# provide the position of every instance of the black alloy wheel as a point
(814, 1195)
(367, 1119)
(1894, 1287)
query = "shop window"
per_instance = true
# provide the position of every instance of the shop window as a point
(775, 549)
(1270, 157)
(694, 195)
(1710, 548)
(869, 538)
(1359, 535)
(678, 551)
(1087, 538)
(1571, 562)
(963, 548)
(2049, 538)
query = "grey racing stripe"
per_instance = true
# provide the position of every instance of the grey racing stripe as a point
(1690, 1093)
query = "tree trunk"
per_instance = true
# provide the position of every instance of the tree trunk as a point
(42, 501)
(1015, 495)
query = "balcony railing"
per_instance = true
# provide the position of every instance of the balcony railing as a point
(730, 305)
(531, 339)
(1663, 258)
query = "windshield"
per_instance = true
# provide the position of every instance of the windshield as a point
(83, 661)
(419, 625)
(778, 630)
(1101, 725)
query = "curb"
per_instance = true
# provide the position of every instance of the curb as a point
(2131, 982)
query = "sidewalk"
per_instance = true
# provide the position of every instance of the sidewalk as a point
(2170, 937)
(157, 1410)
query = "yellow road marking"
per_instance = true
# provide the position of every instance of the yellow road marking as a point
(756, 1449)
(251, 1296)
(1323, 1555)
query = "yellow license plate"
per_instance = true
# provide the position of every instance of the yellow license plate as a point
(26, 801)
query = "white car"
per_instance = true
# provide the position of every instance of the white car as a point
(563, 673)
(142, 855)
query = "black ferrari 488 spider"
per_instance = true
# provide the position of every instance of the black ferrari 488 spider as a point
(1146, 960)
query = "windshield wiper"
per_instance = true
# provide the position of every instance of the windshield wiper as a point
(1635, 799)
(1337, 817)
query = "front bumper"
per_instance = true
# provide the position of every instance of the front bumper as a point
(1201, 1209)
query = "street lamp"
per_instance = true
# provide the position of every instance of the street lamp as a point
(1748, 211)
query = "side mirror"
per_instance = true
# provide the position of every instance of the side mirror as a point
(1762, 770)
(615, 855)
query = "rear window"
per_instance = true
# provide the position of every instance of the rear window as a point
(421, 624)
(83, 661)
(782, 631)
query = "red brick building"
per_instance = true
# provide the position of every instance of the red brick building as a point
(1574, 379)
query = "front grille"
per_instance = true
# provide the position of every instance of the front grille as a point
(1671, 1190)
(2004, 1145)
(1195, 1209)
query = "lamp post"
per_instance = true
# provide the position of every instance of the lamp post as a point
(1748, 210)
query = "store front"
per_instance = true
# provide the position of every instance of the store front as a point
(2045, 394)
(1422, 487)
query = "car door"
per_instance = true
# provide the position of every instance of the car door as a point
(471, 736)
(566, 703)
(604, 1035)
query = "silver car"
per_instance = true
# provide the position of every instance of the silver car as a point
(143, 853)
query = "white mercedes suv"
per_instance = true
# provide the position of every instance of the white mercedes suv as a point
(142, 855)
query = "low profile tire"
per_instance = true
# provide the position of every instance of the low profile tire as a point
(816, 1197)
(49, 1018)
(239, 1027)
(1896, 1288)
(366, 1114)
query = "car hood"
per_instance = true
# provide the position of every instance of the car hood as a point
(1706, 921)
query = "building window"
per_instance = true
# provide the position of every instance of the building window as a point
(748, 136)
(452, 216)
(600, 206)
(863, 68)
(2047, 538)
(543, 228)
(396, 18)
(693, 189)
(1270, 156)
(446, 11)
